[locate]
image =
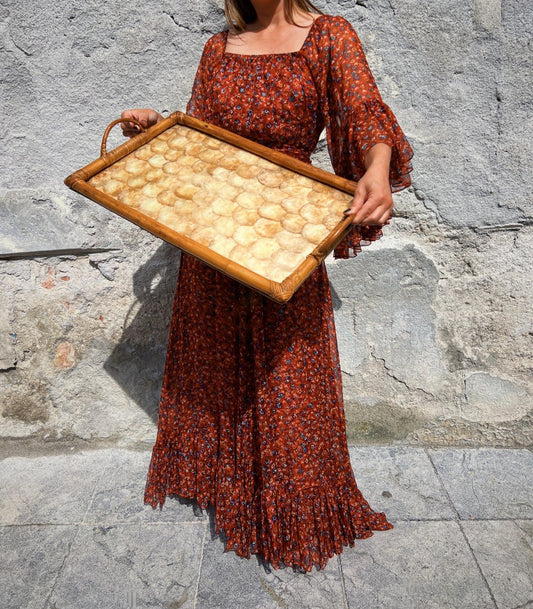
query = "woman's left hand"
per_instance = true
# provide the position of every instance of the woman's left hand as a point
(372, 203)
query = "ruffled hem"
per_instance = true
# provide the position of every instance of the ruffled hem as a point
(305, 529)
(170, 473)
(301, 529)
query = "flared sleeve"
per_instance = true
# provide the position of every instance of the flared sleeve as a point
(356, 118)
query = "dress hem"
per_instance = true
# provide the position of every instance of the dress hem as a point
(301, 530)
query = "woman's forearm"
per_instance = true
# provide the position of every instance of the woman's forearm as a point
(372, 202)
(378, 158)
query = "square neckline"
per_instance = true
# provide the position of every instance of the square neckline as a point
(304, 44)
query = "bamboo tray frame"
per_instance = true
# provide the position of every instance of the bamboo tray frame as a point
(279, 291)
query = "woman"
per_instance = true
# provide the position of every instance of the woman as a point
(251, 417)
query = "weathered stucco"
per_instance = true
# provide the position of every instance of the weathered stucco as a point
(433, 321)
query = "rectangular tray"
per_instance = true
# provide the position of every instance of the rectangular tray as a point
(257, 215)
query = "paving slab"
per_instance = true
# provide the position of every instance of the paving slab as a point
(48, 490)
(401, 482)
(131, 566)
(504, 551)
(31, 559)
(417, 565)
(119, 494)
(229, 581)
(487, 482)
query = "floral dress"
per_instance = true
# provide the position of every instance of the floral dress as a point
(251, 416)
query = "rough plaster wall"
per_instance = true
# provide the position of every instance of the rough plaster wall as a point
(433, 322)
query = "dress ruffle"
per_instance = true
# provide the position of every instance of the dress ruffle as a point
(357, 238)
(287, 527)
(359, 128)
(304, 529)
(378, 127)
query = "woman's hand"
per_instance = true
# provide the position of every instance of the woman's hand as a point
(145, 116)
(372, 202)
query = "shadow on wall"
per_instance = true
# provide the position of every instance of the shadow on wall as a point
(137, 361)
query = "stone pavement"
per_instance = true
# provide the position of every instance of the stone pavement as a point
(74, 534)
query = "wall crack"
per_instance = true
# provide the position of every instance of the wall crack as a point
(399, 380)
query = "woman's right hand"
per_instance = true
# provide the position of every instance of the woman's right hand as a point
(145, 116)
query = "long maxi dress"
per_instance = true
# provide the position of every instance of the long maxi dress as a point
(251, 417)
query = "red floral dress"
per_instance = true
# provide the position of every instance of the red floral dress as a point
(251, 416)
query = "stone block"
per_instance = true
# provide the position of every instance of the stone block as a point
(135, 565)
(400, 482)
(504, 552)
(32, 556)
(489, 398)
(351, 351)
(8, 356)
(31, 487)
(393, 291)
(416, 565)
(227, 580)
(119, 494)
(488, 13)
(487, 482)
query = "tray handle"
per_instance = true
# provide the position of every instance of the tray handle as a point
(103, 151)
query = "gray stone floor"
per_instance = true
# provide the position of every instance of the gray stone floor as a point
(74, 534)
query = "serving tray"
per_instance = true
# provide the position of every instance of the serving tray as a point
(258, 215)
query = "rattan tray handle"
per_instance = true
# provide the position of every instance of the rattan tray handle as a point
(103, 151)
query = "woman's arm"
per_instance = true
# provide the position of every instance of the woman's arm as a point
(365, 142)
(372, 202)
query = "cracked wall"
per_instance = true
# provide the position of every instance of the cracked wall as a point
(433, 321)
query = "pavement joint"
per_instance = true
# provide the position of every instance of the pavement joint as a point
(47, 603)
(473, 554)
(343, 583)
(443, 485)
(93, 495)
(437, 473)
(197, 587)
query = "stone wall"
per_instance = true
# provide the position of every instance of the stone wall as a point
(433, 321)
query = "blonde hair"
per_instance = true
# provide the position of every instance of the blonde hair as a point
(239, 13)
